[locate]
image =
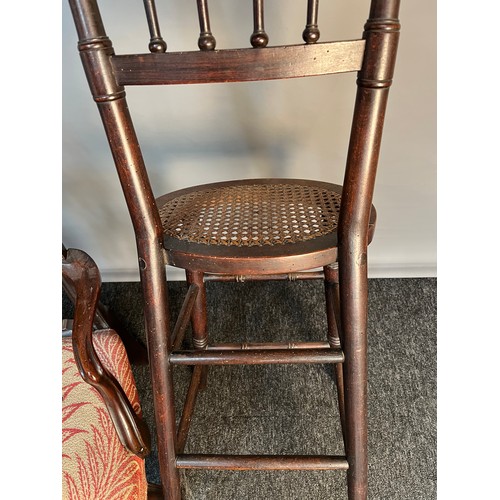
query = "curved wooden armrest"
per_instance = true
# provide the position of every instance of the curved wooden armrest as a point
(104, 319)
(82, 271)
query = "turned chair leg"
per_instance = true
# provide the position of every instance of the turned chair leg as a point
(354, 308)
(154, 286)
(199, 319)
(334, 333)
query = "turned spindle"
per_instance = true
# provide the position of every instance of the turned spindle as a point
(206, 41)
(156, 43)
(259, 37)
(311, 31)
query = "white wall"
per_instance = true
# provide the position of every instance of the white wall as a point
(208, 133)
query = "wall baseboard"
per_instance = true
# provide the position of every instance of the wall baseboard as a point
(402, 271)
(374, 271)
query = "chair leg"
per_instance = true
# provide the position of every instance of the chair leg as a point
(187, 412)
(354, 307)
(334, 335)
(154, 286)
(199, 319)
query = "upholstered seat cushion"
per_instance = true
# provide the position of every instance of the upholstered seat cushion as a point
(95, 464)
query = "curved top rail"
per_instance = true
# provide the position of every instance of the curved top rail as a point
(239, 65)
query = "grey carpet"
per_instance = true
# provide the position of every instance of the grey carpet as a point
(292, 409)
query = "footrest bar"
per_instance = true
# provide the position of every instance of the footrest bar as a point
(256, 356)
(268, 345)
(302, 275)
(262, 462)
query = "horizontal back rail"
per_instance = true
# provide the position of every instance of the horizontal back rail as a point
(239, 65)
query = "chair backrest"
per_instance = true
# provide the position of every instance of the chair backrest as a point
(372, 56)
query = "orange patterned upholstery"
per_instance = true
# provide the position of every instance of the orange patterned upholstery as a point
(96, 466)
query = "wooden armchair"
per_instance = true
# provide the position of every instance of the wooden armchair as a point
(104, 437)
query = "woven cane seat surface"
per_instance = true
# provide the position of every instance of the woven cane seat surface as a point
(253, 218)
(251, 214)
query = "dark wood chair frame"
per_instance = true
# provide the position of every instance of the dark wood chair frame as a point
(343, 257)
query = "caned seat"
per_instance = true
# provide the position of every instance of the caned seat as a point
(251, 226)
(257, 229)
